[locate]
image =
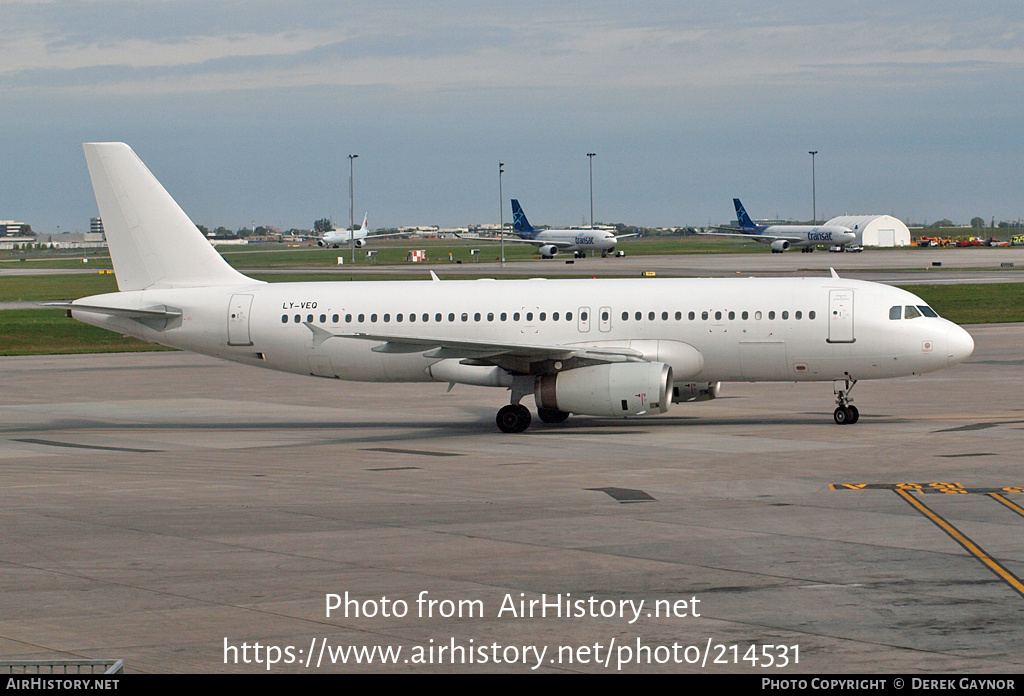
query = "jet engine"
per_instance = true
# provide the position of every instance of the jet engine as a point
(779, 246)
(615, 389)
(548, 250)
(360, 243)
(694, 391)
(320, 243)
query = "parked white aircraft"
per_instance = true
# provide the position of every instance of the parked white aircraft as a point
(601, 347)
(781, 237)
(344, 238)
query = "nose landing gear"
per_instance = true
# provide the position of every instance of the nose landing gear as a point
(845, 413)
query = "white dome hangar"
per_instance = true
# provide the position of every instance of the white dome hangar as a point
(875, 230)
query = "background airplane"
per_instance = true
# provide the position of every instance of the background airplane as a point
(344, 238)
(595, 347)
(781, 237)
(550, 242)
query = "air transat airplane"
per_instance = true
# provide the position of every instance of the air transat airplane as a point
(550, 242)
(598, 347)
(781, 237)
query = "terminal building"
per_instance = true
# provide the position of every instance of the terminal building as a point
(875, 230)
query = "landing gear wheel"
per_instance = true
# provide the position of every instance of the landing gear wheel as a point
(550, 415)
(514, 418)
(842, 415)
(854, 414)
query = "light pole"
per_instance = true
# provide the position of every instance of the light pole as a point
(590, 156)
(352, 205)
(814, 193)
(501, 212)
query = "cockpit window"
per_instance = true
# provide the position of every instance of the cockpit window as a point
(910, 312)
(927, 311)
(896, 312)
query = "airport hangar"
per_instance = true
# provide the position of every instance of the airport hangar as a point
(875, 230)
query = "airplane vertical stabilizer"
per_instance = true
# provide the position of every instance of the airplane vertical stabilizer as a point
(153, 243)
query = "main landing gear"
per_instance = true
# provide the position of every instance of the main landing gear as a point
(514, 418)
(845, 412)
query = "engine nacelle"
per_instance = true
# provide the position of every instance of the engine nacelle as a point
(320, 243)
(694, 391)
(779, 246)
(548, 250)
(360, 243)
(615, 389)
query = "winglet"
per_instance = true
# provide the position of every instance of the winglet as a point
(834, 274)
(434, 277)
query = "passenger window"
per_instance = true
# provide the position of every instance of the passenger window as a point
(437, 317)
(650, 316)
(771, 315)
(284, 318)
(638, 316)
(604, 315)
(927, 311)
(625, 316)
(515, 317)
(718, 316)
(664, 316)
(692, 316)
(910, 312)
(810, 315)
(757, 315)
(373, 318)
(309, 318)
(583, 316)
(785, 315)
(799, 315)
(387, 318)
(732, 315)
(451, 316)
(554, 317)
(704, 316)
(745, 315)
(679, 316)
(398, 317)
(504, 316)
(529, 316)
(543, 316)
(476, 317)
(361, 318)
(323, 318)
(568, 316)
(465, 316)
(895, 312)
(490, 316)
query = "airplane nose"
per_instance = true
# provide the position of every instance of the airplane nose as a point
(960, 343)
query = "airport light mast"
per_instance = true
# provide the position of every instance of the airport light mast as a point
(590, 156)
(501, 213)
(814, 193)
(352, 205)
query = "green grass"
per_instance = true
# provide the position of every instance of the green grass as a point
(992, 303)
(49, 332)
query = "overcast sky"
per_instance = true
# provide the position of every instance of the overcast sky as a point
(249, 110)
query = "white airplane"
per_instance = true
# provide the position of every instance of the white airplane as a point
(344, 238)
(781, 237)
(550, 242)
(599, 347)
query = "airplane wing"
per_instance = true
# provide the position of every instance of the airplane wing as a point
(624, 236)
(540, 242)
(756, 237)
(514, 357)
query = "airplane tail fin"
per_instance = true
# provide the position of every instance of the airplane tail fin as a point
(152, 242)
(520, 225)
(741, 216)
(362, 228)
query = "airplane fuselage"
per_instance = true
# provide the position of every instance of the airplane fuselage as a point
(573, 240)
(800, 329)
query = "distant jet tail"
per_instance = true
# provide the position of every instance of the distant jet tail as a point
(152, 242)
(746, 224)
(520, 225)
(362, 228)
